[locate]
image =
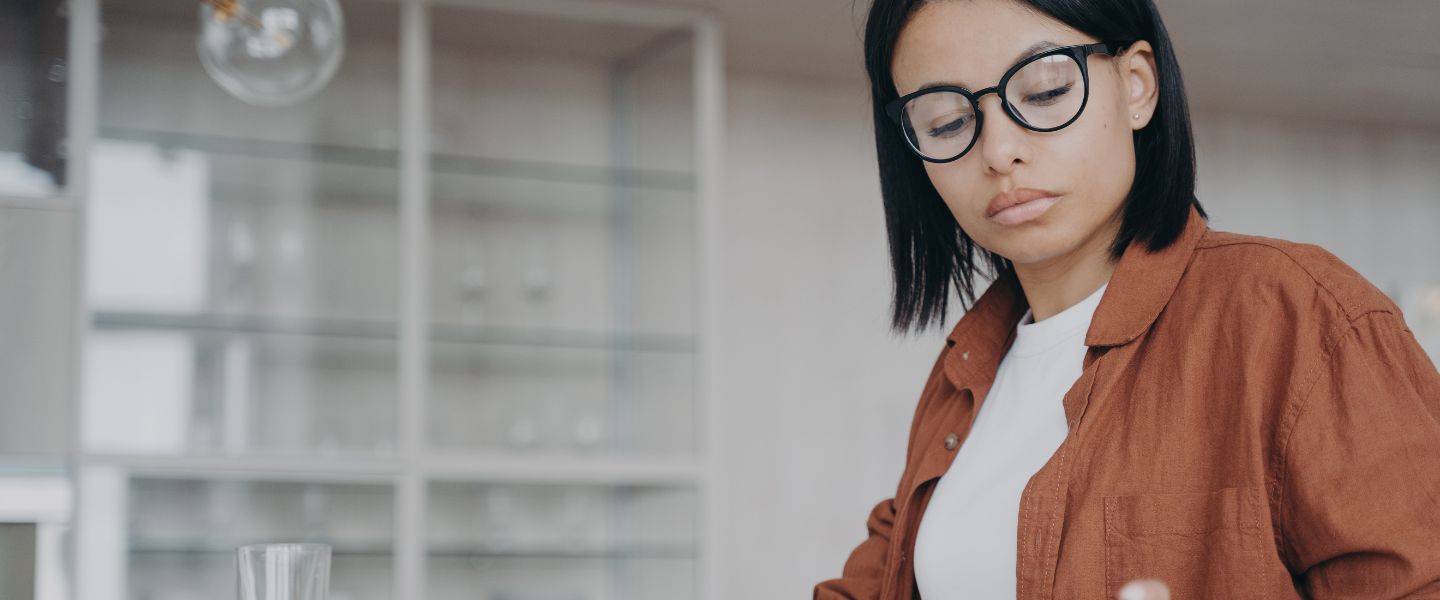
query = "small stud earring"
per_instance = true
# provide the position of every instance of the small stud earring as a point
(1137, 116)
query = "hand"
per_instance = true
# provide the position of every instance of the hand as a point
(1144, 589)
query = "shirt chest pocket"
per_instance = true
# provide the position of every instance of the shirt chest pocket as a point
(1200, 544)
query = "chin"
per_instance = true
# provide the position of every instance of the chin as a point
(1028, 258)
(1034, 246)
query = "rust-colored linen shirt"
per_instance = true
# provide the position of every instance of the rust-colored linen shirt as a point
(1253, 420)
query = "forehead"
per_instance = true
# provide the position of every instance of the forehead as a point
(970, 43)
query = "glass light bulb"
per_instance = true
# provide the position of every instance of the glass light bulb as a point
(271, 52)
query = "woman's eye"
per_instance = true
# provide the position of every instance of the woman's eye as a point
(949, 128)
(1048, 96)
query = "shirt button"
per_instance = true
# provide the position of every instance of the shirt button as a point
(951, 440)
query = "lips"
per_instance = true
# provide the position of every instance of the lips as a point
(1004, 200)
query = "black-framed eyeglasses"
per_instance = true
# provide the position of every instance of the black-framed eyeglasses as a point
(941, 123)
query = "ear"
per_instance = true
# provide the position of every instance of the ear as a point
(1139, 83)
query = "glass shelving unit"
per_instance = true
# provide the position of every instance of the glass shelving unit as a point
(166, 558)
(244, 258)
(443, 316)
(566, 541)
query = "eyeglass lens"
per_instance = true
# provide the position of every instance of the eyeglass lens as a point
(1045, 94)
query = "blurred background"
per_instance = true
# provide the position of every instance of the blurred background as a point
(541, 299)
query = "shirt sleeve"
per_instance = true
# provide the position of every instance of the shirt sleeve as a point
(1359, 496)
(864, 572)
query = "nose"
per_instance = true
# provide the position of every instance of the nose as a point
(1003, 143)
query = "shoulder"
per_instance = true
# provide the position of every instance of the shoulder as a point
(1277, 274)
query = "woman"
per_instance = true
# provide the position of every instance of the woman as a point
(1135, 397)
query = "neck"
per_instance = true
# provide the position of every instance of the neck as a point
(1054, 285)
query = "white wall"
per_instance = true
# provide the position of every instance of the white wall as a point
(817, 397)
(1370, 195)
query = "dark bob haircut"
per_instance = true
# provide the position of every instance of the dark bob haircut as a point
(928, 249)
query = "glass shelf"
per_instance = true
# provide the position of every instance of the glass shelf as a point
(200, 547)
(186, 547)
(450, 170)
(228, 513)
(686, 552)
(451, 333)
(211, 575)
(336, 468)
(262, 385)
(234, 393)
(492, 515)
(577, 401)
(493, 468)
(238, 324)
(635, 541)
(491, 335)
(533, 578)
(181, 534)
(564, 256)
(560, 468)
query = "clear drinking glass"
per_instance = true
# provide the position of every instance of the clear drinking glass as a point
(283, 571)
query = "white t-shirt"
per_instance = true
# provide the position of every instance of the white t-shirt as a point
(967, 542)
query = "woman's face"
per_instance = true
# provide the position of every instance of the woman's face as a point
(1089, 165)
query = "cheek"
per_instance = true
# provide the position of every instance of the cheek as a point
(956, 187)
(1100, 154)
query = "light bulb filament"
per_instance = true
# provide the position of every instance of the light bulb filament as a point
(229, 9)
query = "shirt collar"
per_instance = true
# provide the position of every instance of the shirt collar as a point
(1139, 289)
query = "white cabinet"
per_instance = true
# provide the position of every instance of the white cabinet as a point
(444, 315)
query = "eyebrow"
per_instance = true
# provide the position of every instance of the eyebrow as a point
(1034, 48)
